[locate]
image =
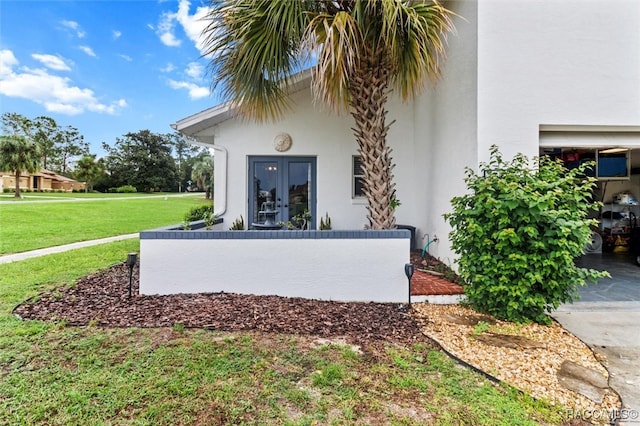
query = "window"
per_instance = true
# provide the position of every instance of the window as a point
(358, 178)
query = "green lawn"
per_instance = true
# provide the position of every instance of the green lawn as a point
(41, 196)
(51, 374)
(28, 226)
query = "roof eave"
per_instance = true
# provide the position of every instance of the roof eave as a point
(192, 125)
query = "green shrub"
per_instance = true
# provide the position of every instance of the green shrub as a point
(517, 232)
(7, 190)
(126, 189)
(203, 212)
(325, 223)
(238, 224)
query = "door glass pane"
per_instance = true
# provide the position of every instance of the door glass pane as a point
(265, 183)
(299, 186)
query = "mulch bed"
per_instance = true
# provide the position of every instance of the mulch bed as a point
(102, 299)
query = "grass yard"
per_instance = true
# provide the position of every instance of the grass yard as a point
(28, 226)
(52, 374)
(42, 196)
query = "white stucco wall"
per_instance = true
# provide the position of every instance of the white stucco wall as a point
(561, 62)
(313, 268)
(446, 137)
(328, 138)
(512, 67)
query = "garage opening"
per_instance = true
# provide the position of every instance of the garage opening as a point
(615, 243)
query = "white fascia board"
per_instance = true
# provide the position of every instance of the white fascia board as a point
(195, 123)
(588, 128)
(589, 136)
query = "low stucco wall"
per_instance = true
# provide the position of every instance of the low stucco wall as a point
(327, 265)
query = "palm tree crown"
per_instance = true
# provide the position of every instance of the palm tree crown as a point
(19, 154)
(360, 51)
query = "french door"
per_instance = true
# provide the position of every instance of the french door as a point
(282, 188)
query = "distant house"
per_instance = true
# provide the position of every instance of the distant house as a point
(43, 180)
(552, 76)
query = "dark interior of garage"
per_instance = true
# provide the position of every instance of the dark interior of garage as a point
(615, 244)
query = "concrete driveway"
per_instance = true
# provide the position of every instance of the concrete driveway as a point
(607, 318)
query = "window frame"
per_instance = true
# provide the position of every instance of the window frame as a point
(355, 177)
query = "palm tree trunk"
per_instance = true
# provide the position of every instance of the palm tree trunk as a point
(369, 92)
(17, 191)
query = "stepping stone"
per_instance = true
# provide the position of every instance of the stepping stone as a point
(583, 380)
(508, 341)
(469, 319)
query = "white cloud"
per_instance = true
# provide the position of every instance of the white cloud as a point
(165, 30)
(89, 51)
(168, 39)
(126, 57)
(116, 34)
(191, 24)
(195, 91)
(55, 93)
(73, 25)
(51, 61)
(195, 70)
(169, 68)
(7, 62)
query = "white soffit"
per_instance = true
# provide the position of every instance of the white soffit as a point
(557, 136)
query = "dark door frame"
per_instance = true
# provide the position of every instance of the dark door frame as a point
(282, 185)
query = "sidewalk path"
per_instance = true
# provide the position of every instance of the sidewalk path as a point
(8, 258)
(611, 329)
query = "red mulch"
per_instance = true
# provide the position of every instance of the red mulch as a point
(102, 299)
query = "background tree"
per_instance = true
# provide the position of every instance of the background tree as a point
(59, 146)
(202, 174)
(362, 49)
(183, 150)
(141, 159)
(44, 131)
(70, 144)
(88, 169)
(18, 154)
(15, 124)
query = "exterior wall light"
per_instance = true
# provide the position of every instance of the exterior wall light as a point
(132, 258)
(409, 268)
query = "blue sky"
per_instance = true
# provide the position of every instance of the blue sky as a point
(104, 67)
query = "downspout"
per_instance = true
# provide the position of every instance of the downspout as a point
(220, 181)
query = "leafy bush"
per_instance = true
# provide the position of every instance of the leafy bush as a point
(7, 190)
(203, 212)
(517, 233)
(125, 189)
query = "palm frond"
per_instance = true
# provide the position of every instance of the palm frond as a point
(338, 39)
(415, 35)
(254, 46)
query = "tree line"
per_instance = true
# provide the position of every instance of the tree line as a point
(143, 160)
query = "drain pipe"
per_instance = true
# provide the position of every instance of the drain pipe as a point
(220, 180)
